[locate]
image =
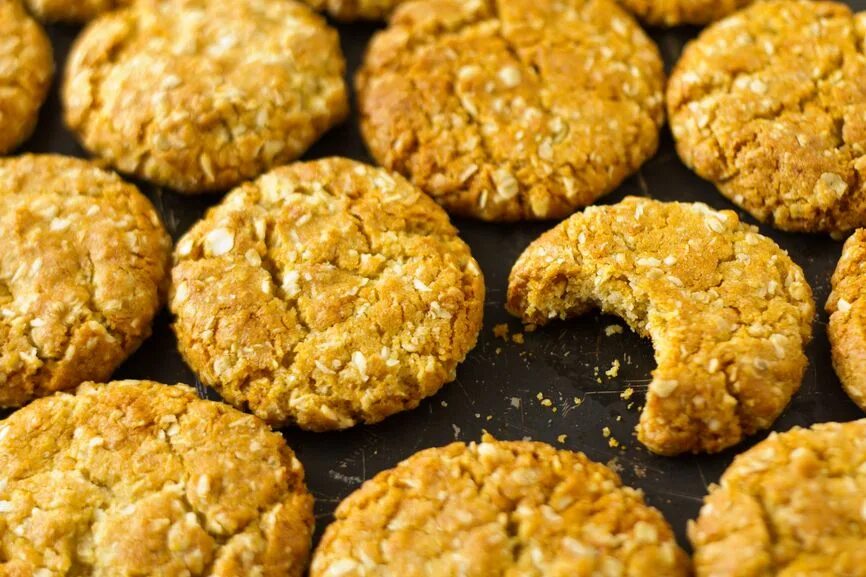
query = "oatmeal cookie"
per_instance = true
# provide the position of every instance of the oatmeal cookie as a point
(678, 12)
(728, 312)
(770, 105)
(84, 263)
(847, 310)
(348, 10)
(325, 294)
(498, 508)
(792, 506)
(199, 95)
(514, 109)
(138, 478)
(73, 11)
(26, 68)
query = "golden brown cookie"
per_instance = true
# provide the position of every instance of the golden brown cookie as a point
(728, 312)
(497, 508)
(792, 506)
(26, 68)
(326, 294)
(515, 109)
(348, 10)
(137, 478)
(678, 12)
(199, 95)
(72, 10)
(84, 266)
(770, 105)
(847, 310)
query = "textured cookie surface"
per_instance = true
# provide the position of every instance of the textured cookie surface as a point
(847, 310)
(497, 508)
(356, 9)
(513, 109)
(792, 506)
(199, 95)
(72, 10)
(26, 67)
(727, 310)
(139, 478)
(83, 266)
(677, 12)
(326, 294)
(770, 105)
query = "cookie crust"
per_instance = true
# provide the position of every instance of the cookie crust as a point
(84, 263)
(135, 477)
(199, 96)
(728, 312)
(497, 508)
(72, 11)
(794, 504)
(326, 294)
(770, 105)
(514, 109)
(349, 10)
(678, 12)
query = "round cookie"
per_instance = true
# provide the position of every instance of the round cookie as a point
(770, 105)
(847, 310)
(792, 506)
(348, 10)
(84, 265)
(74, 11)
(26, 68)
(515, 109)
(679, 12)
(728, 312)
(325, 294)
(138, 478)
(497, 508)
(199, 95)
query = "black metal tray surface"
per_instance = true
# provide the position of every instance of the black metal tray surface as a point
(512, 390)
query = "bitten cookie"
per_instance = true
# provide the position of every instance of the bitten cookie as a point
(84, 265)
(678, 12)
(326, 294)
(770, 105)
(497, 508)
(793, 505)
(73, 11)
(515, 109)
(199, 95)
(348, 10)
(26, 68)
(138, 478)
(847, 310)
(728, 312)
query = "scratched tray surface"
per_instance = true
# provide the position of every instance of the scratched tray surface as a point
(511, 390)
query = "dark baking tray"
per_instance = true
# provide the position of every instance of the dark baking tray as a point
(497, 388)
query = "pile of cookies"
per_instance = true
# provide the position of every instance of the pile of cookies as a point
(328, 294)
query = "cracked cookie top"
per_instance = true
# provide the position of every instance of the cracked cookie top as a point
(198, 95)
(72, 11)
(84, 265)
(512, 109)
(26, 68)
(139, 478)
(770, 105)
(793, 505)
(325, 294)
(728, 312)
(497, 508)
(679, 12)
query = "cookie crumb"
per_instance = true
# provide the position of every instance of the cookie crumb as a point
(626, 394)
(517, 338)
(500, 331)
(562, 438)
(613, 371)
(611, 330)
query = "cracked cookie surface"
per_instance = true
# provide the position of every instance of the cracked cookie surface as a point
(679, 12)
(770, 105)
(792, 506)
(728, 312)
(497, 508)
(84, 265)
(512, 109)
(198, 95)
(26, 68)
(72, 11)
(847, 309)
(139, 478)
(326, 294)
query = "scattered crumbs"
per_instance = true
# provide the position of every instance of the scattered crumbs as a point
(626, 394)
(498, 350)
(606, 432)
(619, 418)
(501, 331)
(614, 465)
(613, 443)
(639, 471)
(630, 405)
(489, 417)
(515, 402)
(613, 370)
(456, 431)
(611, 330)
(598, 380)
(517, 338)
(477, 415)
(539, 396)
(562, 439)
(444, 403)
(546, 402)
(530, 328)
(578, 401)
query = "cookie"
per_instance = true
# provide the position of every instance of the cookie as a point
(728, 312)
(497, 508)
(198, 95)
(84, 264)
(679, 12)
(73, 11)
(138, 478)
(325, 294)
(847, 326)
(793, 505)
(770, 105)
(26, 68)
(514, 109)
(348, 10)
